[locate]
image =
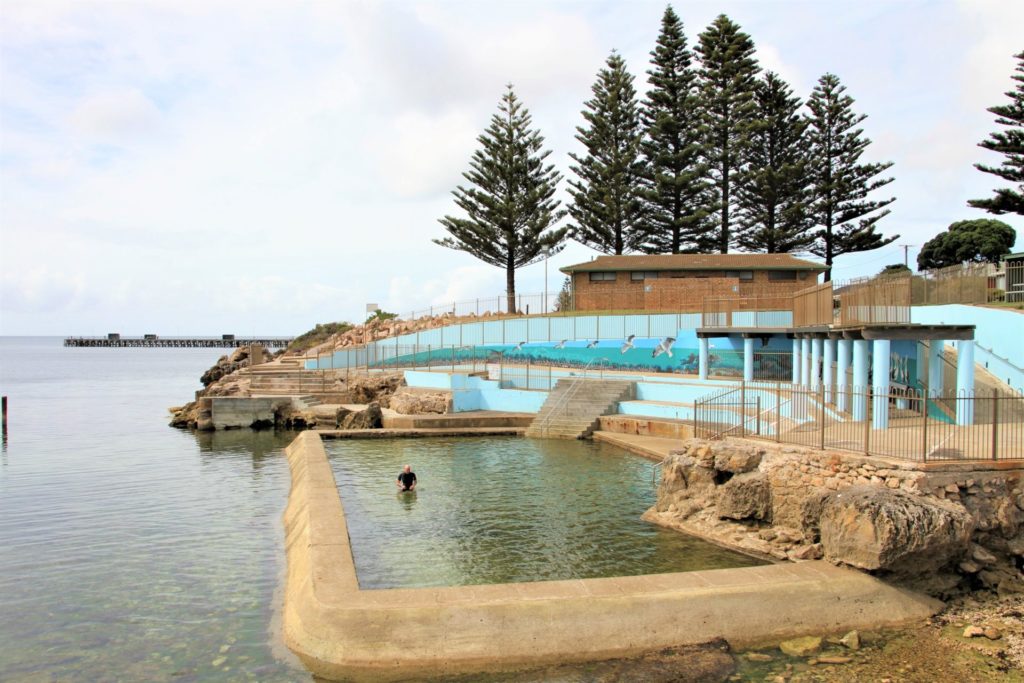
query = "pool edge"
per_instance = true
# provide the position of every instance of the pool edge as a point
(342, 632)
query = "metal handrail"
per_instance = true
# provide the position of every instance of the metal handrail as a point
(567, 396)
(1002, 358)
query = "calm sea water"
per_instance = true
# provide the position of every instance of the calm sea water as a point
(498, 510)
(130, 551)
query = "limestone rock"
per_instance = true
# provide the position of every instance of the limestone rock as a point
(851, 640)
(801, 647)
(874, 528)
(409, 402)
(369, 418)
(973, 632)
(746, 496)
(737, 458)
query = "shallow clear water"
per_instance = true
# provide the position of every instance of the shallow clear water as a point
(496, 510)
(129, 550)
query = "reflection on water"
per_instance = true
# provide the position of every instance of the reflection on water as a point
(129, 550)
(496, 510)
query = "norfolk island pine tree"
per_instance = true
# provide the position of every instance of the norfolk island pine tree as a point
(509, 202)
(1009, 143)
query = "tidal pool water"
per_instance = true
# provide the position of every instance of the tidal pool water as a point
(498, 510)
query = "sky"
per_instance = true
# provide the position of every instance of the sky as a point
(188, 167)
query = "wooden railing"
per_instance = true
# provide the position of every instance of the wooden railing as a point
(875, 301)
(747, 311)
(812, 307)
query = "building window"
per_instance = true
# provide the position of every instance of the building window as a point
(643, 275)
(781, 275)
(602, 277)
(740, 274)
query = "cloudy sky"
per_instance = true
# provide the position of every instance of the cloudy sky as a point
(256, 167)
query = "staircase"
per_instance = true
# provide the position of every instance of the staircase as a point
(573, 408)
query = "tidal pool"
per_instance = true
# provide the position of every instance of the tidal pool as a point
(502, 510)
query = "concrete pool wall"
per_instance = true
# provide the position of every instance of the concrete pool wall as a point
(342, 632)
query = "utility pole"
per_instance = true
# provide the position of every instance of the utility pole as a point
(906, 254)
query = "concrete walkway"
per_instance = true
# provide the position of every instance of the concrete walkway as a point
(652, 447)
(418, 432)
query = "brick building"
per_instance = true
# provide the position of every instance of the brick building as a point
(680, 282)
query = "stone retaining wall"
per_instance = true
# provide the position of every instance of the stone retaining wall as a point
(343, 633)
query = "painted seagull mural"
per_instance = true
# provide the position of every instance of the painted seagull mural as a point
(628, 345)
(561, 344)
(592, 345)
(519, 346)
(664, 347)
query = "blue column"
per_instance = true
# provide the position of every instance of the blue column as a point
(828, 357)
(805, 366)
(702, 361)
(880, 383)
(815, 362)
(965, 382)
(860, 379)
(844, 350)
(748, 360)
(796, 361)
(921, 360)
(935, 364)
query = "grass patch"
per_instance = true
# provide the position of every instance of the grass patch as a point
(317, 335)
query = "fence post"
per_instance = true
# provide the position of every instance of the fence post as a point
(757, 415)
(867, 420)
(778, 412)
(821, 415)
(743, 408)
(995, 424)
(924, 424)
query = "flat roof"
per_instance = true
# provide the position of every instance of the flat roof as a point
(695, 262)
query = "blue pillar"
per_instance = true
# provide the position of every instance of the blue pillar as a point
(748, 360)
(935, 363)
(921, 361)
(828, 357)
(965, 382)
(880, 383)
(702, 344)
(796, 361)
(860, 379)
(805, 366)
(843, 351)
(815, 362)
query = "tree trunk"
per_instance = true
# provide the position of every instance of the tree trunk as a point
(510, 285)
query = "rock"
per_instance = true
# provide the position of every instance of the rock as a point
(801, 647)
(969, 567)
(851, 640)
(834, 659)
(368, 418)
(981, 555)
(812, 551)
(973, 632)
(759, 657)
(736, 458)
(408, 402)
(992, 633)
(746, 496)
(873, 528)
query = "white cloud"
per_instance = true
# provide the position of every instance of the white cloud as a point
(114, 114)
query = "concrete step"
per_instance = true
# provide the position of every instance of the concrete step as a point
(573, 407)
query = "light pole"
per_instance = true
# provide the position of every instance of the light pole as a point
(547, 254)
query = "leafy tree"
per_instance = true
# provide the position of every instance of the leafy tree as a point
(773, 191)
(841, 184)
(510, 205)
(564, 301)
(895, 269)
(607, 203)
(1009, 143)
(676, 188)
(978, 241)
(380, 315)
(728, 76)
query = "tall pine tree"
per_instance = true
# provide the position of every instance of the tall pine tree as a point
(728, 75)
(607, 203)
(773, 190)
(1009, 143)
(840, 183)
(675, 188)
(510, 205)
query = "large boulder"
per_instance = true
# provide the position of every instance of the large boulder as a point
(368, 418)
(746, 496)
(737, 457)
(875, 528)
(408, 402)
(686, 484)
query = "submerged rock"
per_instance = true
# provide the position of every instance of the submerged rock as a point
(801, 647)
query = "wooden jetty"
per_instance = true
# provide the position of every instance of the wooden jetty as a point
(153, 341)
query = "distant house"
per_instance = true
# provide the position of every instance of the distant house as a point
(1013, 283)
(680, 282)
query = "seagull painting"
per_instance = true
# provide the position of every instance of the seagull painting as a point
(592, 345)
(561, 344)
(628, 345)
(519, 346)
(664, 347)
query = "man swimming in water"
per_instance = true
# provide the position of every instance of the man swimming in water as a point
(406, 480)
